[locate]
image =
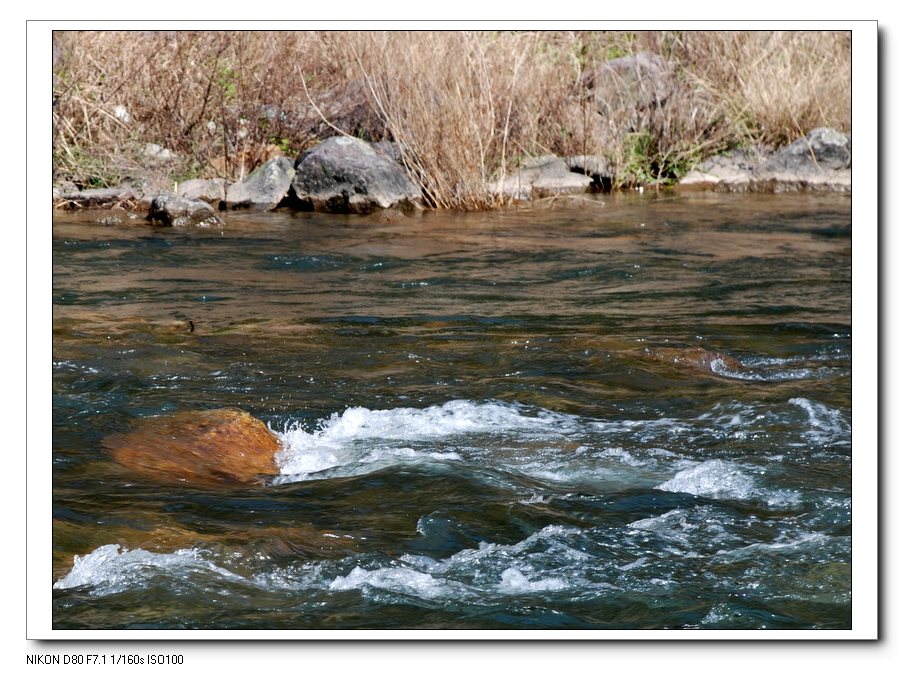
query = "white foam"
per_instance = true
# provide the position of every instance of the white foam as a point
(379, 454)
(514, 581)
(394, 579)
(112, 569)
(551, 540)
(719, 614)
(306, 576)
(826, 424)
(641, 426)
(719, 368)
(547, 445)
(781, 543)
(474, 574)
(684, 531)
(621, 455)
(636, 563)
(656, 523)
(74, 366)
(713, 479)
(454, 417)
(361, 435)
(727, 480)
(734, 420)
(770, 369)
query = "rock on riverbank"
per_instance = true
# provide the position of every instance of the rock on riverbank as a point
(263, 189)
(348, 175)
(821, 161)
(177, 211)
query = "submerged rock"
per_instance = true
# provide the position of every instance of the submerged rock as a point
(177, 211)
(346, 175)
(221, 447)
(164, 535)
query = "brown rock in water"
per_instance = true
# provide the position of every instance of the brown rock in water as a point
(694, 358)
(222, 447)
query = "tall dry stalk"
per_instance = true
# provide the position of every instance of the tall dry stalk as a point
(774, 85)
(434, 94)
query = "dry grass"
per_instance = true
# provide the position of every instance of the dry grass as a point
(465, 107)
(775, 85)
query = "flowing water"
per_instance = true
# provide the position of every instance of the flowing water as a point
(489, 421)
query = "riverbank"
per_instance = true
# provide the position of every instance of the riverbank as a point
(475, 119)
(347, 175)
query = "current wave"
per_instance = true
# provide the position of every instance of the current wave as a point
(111, 568)
(563, 448)
(374, 438)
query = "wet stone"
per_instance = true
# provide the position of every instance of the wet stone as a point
(172, 210)
(220, 447)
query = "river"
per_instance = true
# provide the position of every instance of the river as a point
(630, 413)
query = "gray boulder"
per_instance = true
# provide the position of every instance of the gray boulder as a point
(347, 106)
(263, 189)
(731, 171)
(637, 81)
(346, 175)
(207, 190)
(72, 197)
(821, 151)
(172, 210)
(539, 178)
(821, 161)
(597, 168)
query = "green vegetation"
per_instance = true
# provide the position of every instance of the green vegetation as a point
(465, 106)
